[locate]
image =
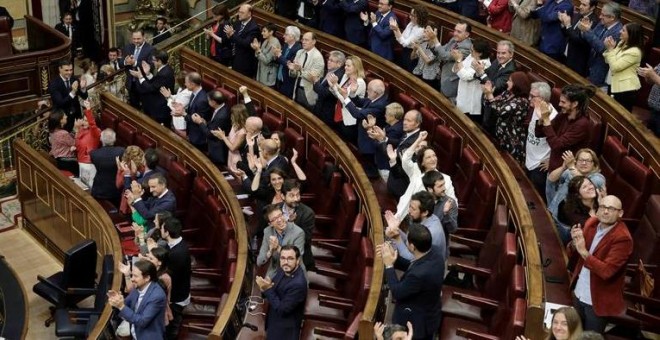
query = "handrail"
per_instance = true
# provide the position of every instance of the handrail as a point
(107, 238)
(508, 189)
(310, 127)
(168, 140)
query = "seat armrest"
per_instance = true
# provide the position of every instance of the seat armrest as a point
(478, 271)
(329, 246)
(93, 319)
(199, 250)
(346, 306)
(207, 274)
(324, 297)
(327, 332)
(476, 301)
(50, 284)
(198, 329)
(205, 299)
(651, 302)
(466, 241)
(338, 274)
(473, 233)
(470, 334)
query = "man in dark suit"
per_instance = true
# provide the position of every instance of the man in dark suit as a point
(220, 120)
(149, 85)
(134, 54)
(180, 268)
(325, 101)
(144, 307)
(162, 31)
(393, 130)
(353, 24)
(105, 162)
(360, 109)
(114, 60)
(417, 293)
(64, 90)
(609, 26)
(285, 56)
(162, 199)
(498, 74)
(331, 17)
(301, 215)
(286, 294)
(244, 31)
(578, 50)
(381, 38)
(199, 105)
(270, 159)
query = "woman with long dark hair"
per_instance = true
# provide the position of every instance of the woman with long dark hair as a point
(581, 202)
(624, 59)
(62, 143)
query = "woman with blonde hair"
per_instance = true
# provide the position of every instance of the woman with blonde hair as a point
(129, 168)
(234, 141)
(352, 84)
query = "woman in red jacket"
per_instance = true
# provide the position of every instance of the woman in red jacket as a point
(88, 138)
(499, 17)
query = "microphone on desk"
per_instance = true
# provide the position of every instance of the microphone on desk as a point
(251, 326)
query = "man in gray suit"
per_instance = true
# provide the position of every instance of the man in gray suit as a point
(461, 42)
(307, 66)
(279, 233)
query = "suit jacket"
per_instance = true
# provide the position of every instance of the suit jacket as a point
(161, 36)
(552, 40)
(149, 317)
(623, 65)
(577, 54)
(331, 18)
(375, 108)
(153, 102)
(312, 64)
(607, 266)
(392, 132)
(106, 169)
(59, 93)
(75, 40)
(217, 148)
(398, 180)
(150, 207)
(597, 67)
(245, 61)
(223, 49)
(305, 219)
(381, 38)
(286, 301)
(279, 162)
(293, 235)
(448, 78)
(200, 105)
(498, 75)
(180, 268)
(353, 25)
(325, 100)
(286, 82)
(417, 293)
(145, 55)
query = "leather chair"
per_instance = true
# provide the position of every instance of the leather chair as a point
(211, 279)
(193, 223)
(447, 146)
(125, 134)
(338, 224)
(646, 239)
(165, 158)
(230, 97)
(6, 41)
(465, 173)
(408, 102)
(273, 120)
(632, 185)
(484, 250)
(144, 141)
(179, 180)
(481, 203)
(322, 181)
(79, 272)
(610, 158)
(314, 329)
(294, 140)
(78, 322)
(597, 133)
(109, 120)
(209, 84)
(430, 120)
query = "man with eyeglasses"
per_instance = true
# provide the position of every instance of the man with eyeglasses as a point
(325, 102)
(278, 234)
(602, 249)
(286, 293)
(301, 215)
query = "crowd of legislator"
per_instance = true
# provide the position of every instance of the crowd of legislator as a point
(552, 143)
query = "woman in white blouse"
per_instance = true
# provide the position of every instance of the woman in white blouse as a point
(352, 84)
(413, 32)
(468, 98)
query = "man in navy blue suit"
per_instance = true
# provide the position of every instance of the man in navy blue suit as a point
(609, 26)
(219, 120)
(381, 38)
(149, 85)
(135, 53)
(162, 199)
(64, 90)
(417, 293)
(105, 161)
(353, 25)
(325, 102)
(284, 56)
(241, 34)
(286, 294)
(331, 17)
(197, 107)
(144, 307)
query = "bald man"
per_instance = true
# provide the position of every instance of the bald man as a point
(270, 159)
(241, 35)
(602, 249)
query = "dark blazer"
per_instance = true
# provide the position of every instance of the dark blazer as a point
(153, 102)
(287, 8)
(286, 301)
(325, 102)
(59, 94)
(217, 148)
(106, 170)
(417, 293)
(158, 37)
(245, 61)
(353, 25)
(305, 219)
(398, 181)
(552, 40)
(180, 267)
(331, 18)
(381, 38)
(499, 75)
(279, 162)
(200, 105)
(145, 55)
(285, 81)
(376, 108)
(75, 41)
(150, 207)
(223, 49)
(392, 132)
(577, 55)
(598, 68)
(149, 318)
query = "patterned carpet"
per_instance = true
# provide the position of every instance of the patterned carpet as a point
(10, 208)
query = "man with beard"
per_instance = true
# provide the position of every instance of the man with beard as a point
(286, 293)
(301, 215)
(278, 234)
(420, 211)
(445, 207)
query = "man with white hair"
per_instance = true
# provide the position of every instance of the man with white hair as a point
(105, 162)
(284, 56)
(537, 149)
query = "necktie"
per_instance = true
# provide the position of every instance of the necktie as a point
(116, 65)
(213, 46)
(304, 61)
(136, 55)
(301, 70)
(68, 85)
(233, 48)
(68, 29)
(190, 105)
(280, 75)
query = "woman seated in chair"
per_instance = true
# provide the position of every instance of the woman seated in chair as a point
(585, 163)
(62, 143)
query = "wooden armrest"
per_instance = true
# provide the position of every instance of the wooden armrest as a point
(199, 250)
(641, 299)
(198, 328)
(476, 301)
(207, 274)
(478, 271)
(206, 270)
(466, 241)
(644, 317)
(324, 297)
(470, 334)
(329, 246)
(206, 300)
(331, 333)
(326, 271)
(347, 306)
(473, 233)
(330, 240)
